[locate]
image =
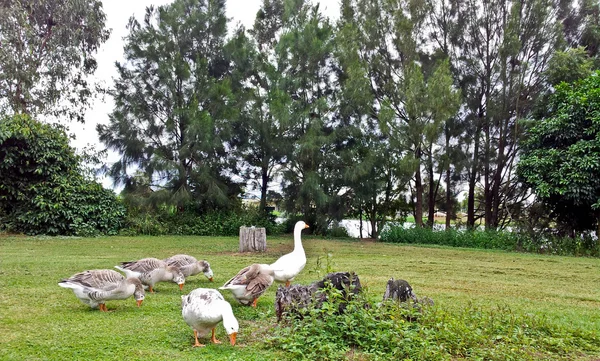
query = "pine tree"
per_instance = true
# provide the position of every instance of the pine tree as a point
(173, 97)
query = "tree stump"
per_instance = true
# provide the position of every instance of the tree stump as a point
(253, 239)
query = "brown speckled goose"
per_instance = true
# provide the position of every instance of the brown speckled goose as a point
(95, 287)
(152, 270)
(190, 266)
(250, 283)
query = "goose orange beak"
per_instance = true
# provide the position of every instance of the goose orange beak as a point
(210, 279)
(306, 226)
(139, 302)
(232, 338)
(181, 286)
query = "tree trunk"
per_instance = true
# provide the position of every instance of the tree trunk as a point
(360, 221)
(263, 188)
(253, 239)
(472, 181)
(449, 205)
(419, 190)
(374, 231)
(431, 195)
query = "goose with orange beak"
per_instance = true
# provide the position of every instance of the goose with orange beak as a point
(152, 270)
(288, 266)
(95, 287)
(190, 266)
(203, 309)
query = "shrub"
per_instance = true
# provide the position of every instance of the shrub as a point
(518, 240)
(188, 222)
(42, 189)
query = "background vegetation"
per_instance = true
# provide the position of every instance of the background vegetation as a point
(394, 108)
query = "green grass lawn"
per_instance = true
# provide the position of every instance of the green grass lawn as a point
(42, 321)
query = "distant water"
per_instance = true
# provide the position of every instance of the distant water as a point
(352, 226)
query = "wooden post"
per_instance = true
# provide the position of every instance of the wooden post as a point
(253, 239)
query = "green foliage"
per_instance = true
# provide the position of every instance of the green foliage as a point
(413, 332)
(569, 66)
(42, 190)
(174, 105)
(189, 222)
(520, 240)
(47, 53)
(473, 239)
(561, 157)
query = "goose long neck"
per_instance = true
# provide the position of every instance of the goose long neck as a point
(229, 320)
(298, 240)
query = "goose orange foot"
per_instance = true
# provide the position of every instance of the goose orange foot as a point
(197, 343)
(213, 339)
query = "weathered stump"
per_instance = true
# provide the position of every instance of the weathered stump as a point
(253, 239)
(292, 299)
(399, 290)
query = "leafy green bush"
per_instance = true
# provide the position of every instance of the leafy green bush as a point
(392, 331)
(189, 222)
(42, 188)
(539, 242)
(454, 238)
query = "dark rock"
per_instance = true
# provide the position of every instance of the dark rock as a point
(398, 290)
(296, 297)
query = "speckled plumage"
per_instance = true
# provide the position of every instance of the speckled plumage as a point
(203, 309)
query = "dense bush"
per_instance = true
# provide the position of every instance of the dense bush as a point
(511, 241)
(402, 332)
(454, 238)
(174, 222)
(42, 187)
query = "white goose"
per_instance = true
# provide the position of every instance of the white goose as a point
(190, 266)
(203, 309)
(152, 270)
(95, 287)
(250, 283)
(289, 265)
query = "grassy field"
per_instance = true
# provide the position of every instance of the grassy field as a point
(41, 321)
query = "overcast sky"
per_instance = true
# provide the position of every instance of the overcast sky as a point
(118, 13)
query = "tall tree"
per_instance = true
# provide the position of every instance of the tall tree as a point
(561, 161)
(173, 104)
(505, 47)
(390, 34)
(47, 50)
(265, 115)
(303, 58)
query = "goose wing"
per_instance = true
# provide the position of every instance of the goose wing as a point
(144, 265)
(104, 279)
(244, 276)
(180, 260)
(259, 284)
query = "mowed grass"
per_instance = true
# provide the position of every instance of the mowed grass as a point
(42, 321)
